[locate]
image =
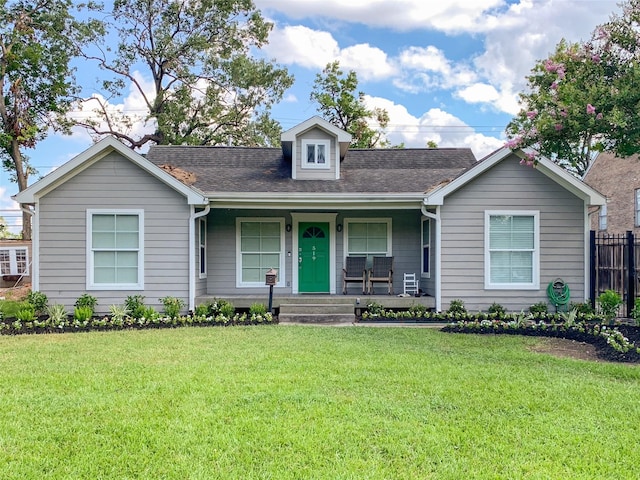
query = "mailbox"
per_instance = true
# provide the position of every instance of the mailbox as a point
(271, 277)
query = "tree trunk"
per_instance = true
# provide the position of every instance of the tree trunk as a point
(21, 177)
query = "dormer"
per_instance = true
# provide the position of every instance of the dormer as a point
(315, 148)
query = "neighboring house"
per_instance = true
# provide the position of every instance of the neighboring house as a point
(618, 179)
(15, 262)
(114, 223)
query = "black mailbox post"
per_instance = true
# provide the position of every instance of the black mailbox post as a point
(271, 278)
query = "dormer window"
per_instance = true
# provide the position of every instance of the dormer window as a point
(315, 154)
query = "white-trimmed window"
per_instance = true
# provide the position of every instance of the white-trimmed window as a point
(602, 217)
(14, 261)
(260, 247)
(115, 254)
(368, 237)
(426, 247)
(512, 249)
(202, 247)
(315, 153)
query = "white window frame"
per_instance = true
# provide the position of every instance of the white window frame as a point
(13, 260)
(425, 245)
(202, 247)
(91, 284)
(281, 271)
(304, 161)
(602, 217)
(349, 221)
(535, 274)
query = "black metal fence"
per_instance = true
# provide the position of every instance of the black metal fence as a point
(613, 266)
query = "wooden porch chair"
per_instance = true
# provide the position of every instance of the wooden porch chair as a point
(354, 271)
(381, 272)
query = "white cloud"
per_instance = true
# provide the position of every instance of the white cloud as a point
(401, 15)
(436, 125)
(303, 46)
(370, 63)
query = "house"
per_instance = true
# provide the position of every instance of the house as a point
(618, 179)
(15, 262)
(202, 222)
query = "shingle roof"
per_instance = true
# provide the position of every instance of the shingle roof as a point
(242, 169)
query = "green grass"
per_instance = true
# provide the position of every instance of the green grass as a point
(286, 402)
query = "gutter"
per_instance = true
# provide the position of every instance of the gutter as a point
(192, 252)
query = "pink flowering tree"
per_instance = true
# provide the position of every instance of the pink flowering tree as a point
(584, 98)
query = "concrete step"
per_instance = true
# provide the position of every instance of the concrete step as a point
(316, 308)
(317, 318)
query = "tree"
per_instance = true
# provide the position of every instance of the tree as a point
(207, 89)
(584, 97)
(37, 41)
(340, 105)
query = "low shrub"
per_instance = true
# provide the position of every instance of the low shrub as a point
(87, 300)
(457, 307)
(82, 313)
(258, 309)
(539, 308)
(56, 314)
(38, 300)
(609, 301)
(172, 306)
(497, 309)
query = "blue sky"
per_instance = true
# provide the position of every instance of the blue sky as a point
(447, 70)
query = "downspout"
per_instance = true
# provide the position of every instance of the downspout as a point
(35, 260)
(438, 273)
(192, 252)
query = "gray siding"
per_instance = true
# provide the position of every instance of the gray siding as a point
(310, 173)
(221, 248)
(510, 186)
(113, 183)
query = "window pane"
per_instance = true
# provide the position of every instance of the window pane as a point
(250, 244)
(251, 260)
(270, 229)
(270, 261)
(126, 223)
(321, 154)
(426, 232)
(250, 229)
(377, 229)
(127, 240)
(357, 230)
(311, 154)
(425, 259)
(251, 275)
(104, 223)
(104, 240)
(270, 244)
(357, 245)
(5, 262)
(378, 245)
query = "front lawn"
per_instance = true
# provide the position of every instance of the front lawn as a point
(290, 402)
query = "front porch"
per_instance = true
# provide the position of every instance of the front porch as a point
(320, 308)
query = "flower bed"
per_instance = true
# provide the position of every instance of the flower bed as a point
(620, 343)
(12, 326)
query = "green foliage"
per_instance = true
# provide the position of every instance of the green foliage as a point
(457, 307)
(87, 300)
(582, 308)
(209, 88)
(172, 306)
(258, 309)
(38, 41)
(584, 97)
(635, 313)
(149, 313)
(609, 301)
(82, 313)
(418, 310)
(26, 313)
(118, 312)
(226, 308)
(56, 313)
(38, 300)
(497, 309)
(202, 310)
(135, 305)
(539, 308)
(375, 309)
(342, 105)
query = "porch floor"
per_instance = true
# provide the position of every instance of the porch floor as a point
(323, 301)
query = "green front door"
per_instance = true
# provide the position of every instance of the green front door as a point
(313, 257)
